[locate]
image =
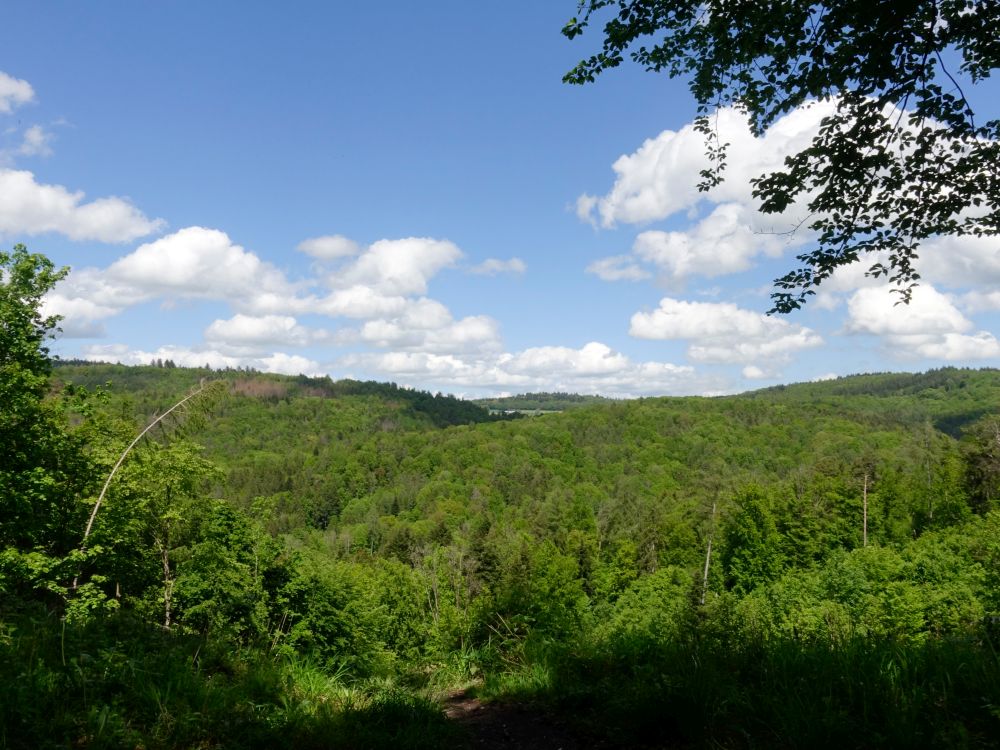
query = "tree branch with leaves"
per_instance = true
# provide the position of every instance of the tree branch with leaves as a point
(901, 160)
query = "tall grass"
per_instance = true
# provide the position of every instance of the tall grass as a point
(120, 683)
(723, 693)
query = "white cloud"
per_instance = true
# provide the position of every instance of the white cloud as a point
(726, 241)
(466, 337)
(721, 332)
(585, 205)
(398, 267)
(86, 297)
(659, 180)
(289, 364)
(875, 310)
(201, 263)
(329, 247)
(752, 372)
(661, 177)
(426, 325)
(261, 331)
(617, 268)
(359, 301)
(493, 266)
(593, 359)
(594, 368)
(36, 142)
(191, 263)
(951, 346)
(930, 326)
(13, 93)
(57, 303)
(961, 261)
(278, 362)
(28, 207)
(976, 301)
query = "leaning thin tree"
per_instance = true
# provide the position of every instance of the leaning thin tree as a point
(205, 388)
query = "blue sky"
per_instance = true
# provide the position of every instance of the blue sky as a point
(408, 192)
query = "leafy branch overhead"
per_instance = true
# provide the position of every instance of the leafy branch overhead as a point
(903, 157)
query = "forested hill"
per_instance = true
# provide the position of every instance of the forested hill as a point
(950, 398)
(372, 460)
(297, 562)
(155, 387)
(540, 402)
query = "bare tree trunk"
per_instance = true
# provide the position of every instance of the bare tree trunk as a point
(708, 559)
(168, 583)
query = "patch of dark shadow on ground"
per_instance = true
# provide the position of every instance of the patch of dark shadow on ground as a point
(516, 726)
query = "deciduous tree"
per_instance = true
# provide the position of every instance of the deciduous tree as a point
(41, 462)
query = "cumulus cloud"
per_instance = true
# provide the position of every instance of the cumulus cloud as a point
(930, 326)
(618, 268)
(88, 296)
(469, 336)
(379, 286)
(659, 181)
(494, 266)
(976, 301)
(753, 372)
(28, 207)
(192, 263)
(278, 362)
(329, 247)
(13, 93)
(724, 242)
(961, 261)
(951, 346)
(721, 332)
(200, 263)
(593, 359)
(37, 142)
(661, 177)
(875, 311)
(426, 325)
(376, 280)
(594, 368)
(398, 267)
(289, 364)
(255, 332)
(358, 301)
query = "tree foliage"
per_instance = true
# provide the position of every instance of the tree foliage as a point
(902, 158)
(43, 469)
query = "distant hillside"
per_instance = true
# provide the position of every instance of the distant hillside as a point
(527, 402)
(950, 398)
(155, 387)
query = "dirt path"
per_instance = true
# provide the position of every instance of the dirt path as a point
(510, 725)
